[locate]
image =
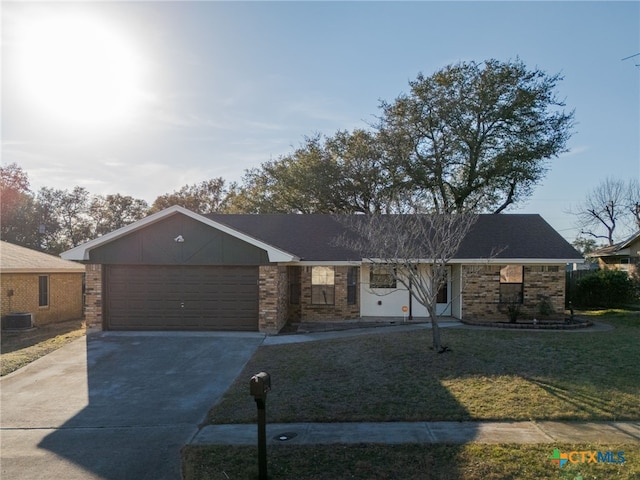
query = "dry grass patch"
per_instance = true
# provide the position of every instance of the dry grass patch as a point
(21, 348)
(488, 375)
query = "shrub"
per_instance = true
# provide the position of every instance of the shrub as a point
(545, 307)
(604, 288)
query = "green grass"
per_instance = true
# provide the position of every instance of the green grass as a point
(419, 462)
(489, 375)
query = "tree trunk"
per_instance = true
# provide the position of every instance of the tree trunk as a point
(435, 330)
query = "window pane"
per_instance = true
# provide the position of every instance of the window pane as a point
(294, 293)
(511, 293)
(322, 285)
(322, 294)
(381, 276)
(443, 295)
(322, 276)
(43, 291)
(352, 283)
(511, 274)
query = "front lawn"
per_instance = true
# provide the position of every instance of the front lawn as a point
(487, 375)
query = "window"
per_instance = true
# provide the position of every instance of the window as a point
(511, 284)
(43, 291)
(381, 276)
(443, 294)
(295, 288)
(322, 285)
(352, 286)
(624, 264)
(294, 292)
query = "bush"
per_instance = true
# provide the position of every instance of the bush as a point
(605, 288)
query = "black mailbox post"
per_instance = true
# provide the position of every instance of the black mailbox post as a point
(259, 386)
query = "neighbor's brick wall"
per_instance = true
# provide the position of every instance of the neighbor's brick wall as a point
(93, 295)
(273, 284)
(65, 296)
(323, 313)
(481, 291)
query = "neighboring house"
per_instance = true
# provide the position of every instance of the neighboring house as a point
(183, 271)
(621, 256)
(45, 286)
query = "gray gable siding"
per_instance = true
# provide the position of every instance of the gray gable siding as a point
(156, 245)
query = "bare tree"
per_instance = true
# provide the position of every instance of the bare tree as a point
(633, 201)
(413, 249)
(604, 209)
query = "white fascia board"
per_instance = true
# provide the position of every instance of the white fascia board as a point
(522, 261)
(479, 261)
(329, 263)
(81, 252)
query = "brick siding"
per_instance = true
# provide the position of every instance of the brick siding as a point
(481, 291)
(93, 295)
(20, 293)
(341, 310)
(273, 294)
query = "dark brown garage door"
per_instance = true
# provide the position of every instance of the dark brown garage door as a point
(142, 297)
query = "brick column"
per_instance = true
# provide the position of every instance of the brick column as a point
(93, 296)
(273, 298)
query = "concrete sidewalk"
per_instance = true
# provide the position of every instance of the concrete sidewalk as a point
(423, 432)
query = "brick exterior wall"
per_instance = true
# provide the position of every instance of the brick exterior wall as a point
(93, 295)
(340, 311)
(273, 300)
(481, 291)
(65, 296)
(275, 309)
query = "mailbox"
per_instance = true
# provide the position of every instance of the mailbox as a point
(260, 385)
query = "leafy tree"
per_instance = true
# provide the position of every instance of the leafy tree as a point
(205, 197)
(585, 245)
(65, 219)
(344, 173)
(115, 211)
(610, 204)
(367, 185)
(18, 223)
(305, 181)
(476, 136)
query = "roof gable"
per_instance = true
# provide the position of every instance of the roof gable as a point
(82, 252)
(622, 248)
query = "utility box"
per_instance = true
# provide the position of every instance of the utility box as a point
(17, 321)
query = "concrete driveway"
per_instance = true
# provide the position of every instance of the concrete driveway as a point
(115, 406)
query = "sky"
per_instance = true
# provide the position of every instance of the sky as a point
(141, 98)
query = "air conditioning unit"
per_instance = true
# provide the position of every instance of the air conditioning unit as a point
(17, 321)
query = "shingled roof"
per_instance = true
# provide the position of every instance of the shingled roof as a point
(517, 237)
(17, 259)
